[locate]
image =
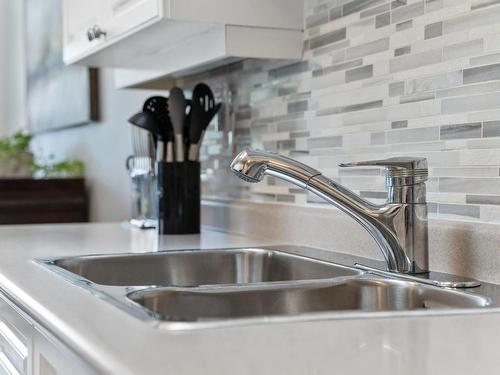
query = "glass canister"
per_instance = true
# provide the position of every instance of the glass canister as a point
(144, 192)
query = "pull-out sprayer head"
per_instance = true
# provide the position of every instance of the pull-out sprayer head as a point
(252, 166)
(246, 168)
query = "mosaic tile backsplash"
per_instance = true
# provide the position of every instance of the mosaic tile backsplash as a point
(378, 79)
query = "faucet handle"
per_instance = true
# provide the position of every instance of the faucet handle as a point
(404, 170)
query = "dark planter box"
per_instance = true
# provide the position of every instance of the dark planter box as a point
(30, 201)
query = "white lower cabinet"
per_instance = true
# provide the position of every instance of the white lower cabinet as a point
(28, 349)
(51, 358)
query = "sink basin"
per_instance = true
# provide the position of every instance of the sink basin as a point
(200, 267)
(356, 294)
(197, 289)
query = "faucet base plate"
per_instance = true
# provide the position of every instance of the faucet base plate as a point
(439, 279)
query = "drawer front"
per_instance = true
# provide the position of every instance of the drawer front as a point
(16, 337)
(6, 366)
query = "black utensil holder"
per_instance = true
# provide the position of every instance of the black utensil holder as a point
(178, 197)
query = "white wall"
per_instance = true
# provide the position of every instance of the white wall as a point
(12, 68)
(3, 67)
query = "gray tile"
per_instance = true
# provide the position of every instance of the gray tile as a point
(358, 5)
(299, 153)
(432, 5)
(316, 19)
(481, 17)
(459, 210)
(406, 12)
(328, 111)
(404, 25)
(486, 59)
(324, 142)
(292, 125)
(350, 108)
(432, 83)
(373, 194)
(335, 13)
(243, 114)
(383, 20)
(413, 135)
(297, 106)
(406, 50)
(470, 89)
(299, 135)
(287, 90)
(362, 106)
(329, 38)
(333, 47)
(398, 3)
(359, 73)
(460, 131)
(491, 129)
(417, 98)
(367, 48)
(342, 66)
(317, 72)
(482, 73)
(482, 199)
(296, 191)
(471, 103)
(264, 197)
(285, 198)
(476, 4)
(396, 88)
(374, 11)
(433, 30)
(417, 60)
(399, 124)
(287, 70)
(267, 121)
(469, 185)
(285, 145)
(465, 49)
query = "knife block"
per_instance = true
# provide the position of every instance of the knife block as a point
(178, 197)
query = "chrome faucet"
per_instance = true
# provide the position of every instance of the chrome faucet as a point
(399, 226)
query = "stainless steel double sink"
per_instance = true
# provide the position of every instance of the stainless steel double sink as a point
(199, 288)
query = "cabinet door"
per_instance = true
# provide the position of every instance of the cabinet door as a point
(50, 357)
(123, 16)
(78, 17)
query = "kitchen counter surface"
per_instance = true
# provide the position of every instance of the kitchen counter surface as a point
(114, 342)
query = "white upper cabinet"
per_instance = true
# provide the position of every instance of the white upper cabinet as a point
(149, 40)
(92, 25)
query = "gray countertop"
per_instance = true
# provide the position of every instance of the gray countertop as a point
(114, 342)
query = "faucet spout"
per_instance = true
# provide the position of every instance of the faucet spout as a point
(399, 227)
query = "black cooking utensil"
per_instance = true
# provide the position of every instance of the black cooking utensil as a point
(147, 121)
(158, 106)
(177, 111)
(202, 108)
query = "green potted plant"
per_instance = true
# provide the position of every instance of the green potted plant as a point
(17, 161)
